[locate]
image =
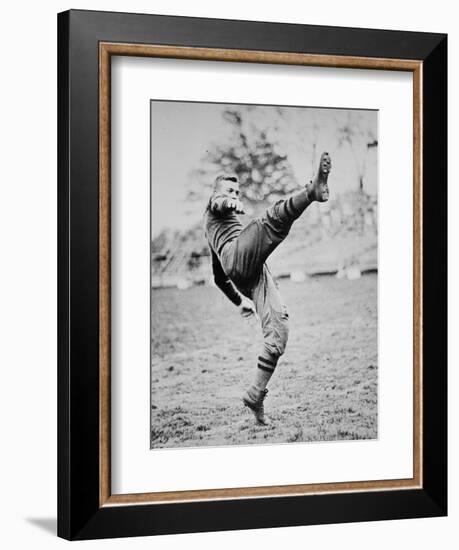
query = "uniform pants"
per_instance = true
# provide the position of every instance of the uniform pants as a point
(243, 260)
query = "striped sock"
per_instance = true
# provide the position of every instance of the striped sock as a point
(266, 364)
(264, 372)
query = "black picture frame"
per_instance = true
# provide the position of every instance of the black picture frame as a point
(80, 514)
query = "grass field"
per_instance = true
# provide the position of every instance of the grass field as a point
(204, 355)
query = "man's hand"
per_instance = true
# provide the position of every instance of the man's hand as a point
(246, 308)
(236, 205)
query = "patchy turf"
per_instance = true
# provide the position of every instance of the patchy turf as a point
(204, 355)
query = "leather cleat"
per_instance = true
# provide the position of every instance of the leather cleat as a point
(253, 398)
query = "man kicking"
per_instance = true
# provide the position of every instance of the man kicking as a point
(238, 261)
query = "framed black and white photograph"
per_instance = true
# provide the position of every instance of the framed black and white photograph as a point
(233, 205)
(252, 274)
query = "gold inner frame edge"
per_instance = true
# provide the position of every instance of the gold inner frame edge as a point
(106, 50)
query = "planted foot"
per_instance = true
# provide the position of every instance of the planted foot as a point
(253, 399)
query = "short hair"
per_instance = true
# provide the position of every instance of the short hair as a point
(225, 177)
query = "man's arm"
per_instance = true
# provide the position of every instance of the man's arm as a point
(224, 282)
(219, 204)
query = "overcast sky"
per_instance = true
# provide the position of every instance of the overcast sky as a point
(181, 132)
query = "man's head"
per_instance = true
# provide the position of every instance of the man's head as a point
(227, 186)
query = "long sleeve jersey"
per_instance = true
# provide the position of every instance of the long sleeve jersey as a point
(222, 226)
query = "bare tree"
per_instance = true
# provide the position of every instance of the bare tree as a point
(252, 153)
(360, 139)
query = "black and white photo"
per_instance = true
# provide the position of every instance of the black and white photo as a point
(264, 274)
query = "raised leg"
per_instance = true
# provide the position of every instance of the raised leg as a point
(243, 259)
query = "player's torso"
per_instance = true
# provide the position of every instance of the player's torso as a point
(221, 229)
